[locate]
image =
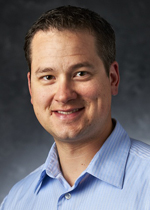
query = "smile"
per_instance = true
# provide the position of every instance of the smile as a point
(68, 112)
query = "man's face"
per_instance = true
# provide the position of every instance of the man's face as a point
(70, 91)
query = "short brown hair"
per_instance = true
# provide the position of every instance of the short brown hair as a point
(76, 18)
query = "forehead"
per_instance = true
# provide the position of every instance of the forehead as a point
(79, 39)
(62, 48)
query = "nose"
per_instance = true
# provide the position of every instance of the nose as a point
(65, 91)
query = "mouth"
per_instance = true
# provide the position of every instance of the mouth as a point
(68, 112)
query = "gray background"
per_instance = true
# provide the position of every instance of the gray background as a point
(23, 142)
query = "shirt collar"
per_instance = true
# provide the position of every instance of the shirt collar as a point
(107, 165)
(51, 167)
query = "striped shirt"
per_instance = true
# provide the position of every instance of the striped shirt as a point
(117, 178)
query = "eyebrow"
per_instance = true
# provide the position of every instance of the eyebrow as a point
(44, 70)
(72, 67)
(80, 65)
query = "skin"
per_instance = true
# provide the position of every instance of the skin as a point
(71, 95)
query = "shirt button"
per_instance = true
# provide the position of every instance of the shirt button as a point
(68, 196)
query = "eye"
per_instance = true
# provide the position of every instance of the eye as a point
(48, 77)
(81, 73)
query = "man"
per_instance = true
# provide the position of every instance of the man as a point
(93, 164)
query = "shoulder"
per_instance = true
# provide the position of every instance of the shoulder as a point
(20, 189)
(139, 158)
(138, 161)
(140, 149)
(32, 178)
(138, 167)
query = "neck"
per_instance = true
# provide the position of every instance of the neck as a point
(75, 157)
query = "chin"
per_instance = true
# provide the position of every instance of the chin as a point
(67, 137)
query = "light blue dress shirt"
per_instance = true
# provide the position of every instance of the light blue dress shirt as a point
(117, 178)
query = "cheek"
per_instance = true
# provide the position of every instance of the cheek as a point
(41, 98)
(86, 89)
(91, 91)
(98, 96)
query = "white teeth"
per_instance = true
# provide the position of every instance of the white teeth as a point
(63, 112)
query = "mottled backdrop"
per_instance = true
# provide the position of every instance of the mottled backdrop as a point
(23, 142)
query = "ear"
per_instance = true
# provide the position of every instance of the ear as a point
(29, 85)
(114, 78)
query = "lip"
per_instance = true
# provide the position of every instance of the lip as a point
(68, 113)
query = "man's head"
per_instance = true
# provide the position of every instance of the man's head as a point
(76, 19)
(68, 83)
